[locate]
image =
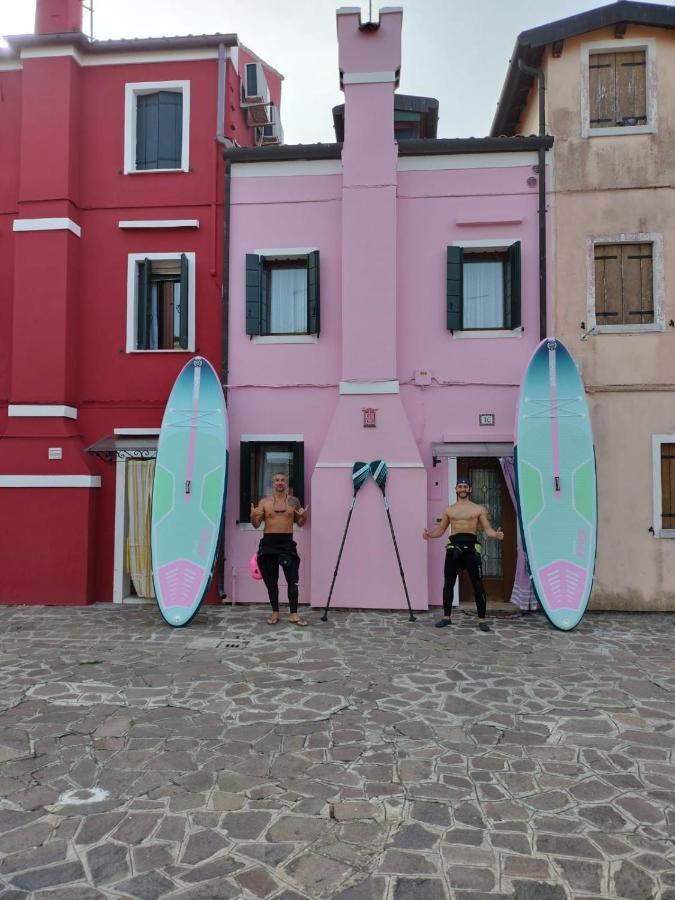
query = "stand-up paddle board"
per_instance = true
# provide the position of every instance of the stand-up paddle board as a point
(188, 495)
(557, 494)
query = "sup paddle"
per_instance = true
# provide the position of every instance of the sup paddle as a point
(360, 473)
(379, 471)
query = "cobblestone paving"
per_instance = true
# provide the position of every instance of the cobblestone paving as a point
(365, 759)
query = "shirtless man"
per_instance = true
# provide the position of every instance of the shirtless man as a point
(279, 512)
(463, 551)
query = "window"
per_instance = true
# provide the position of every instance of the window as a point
(160, 302)
(663, 457)
(282, 294)
(409, 124)
(618, 95)
(261, 458)
(483, 287)
(623, 284)
(157, 126)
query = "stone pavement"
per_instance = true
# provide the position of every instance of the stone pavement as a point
(365, 759)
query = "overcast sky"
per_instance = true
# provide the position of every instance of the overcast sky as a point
(455, 51)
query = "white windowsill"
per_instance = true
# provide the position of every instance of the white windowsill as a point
(618, 130)
(189, 350)
(284, 339)
(666, 533)
(153, 171)
(628, 329)
(472, 335)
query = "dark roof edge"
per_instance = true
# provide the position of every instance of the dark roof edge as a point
(412, 147)
(530, 46)
(83, 43)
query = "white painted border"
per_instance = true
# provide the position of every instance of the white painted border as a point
(369, 387)
(268, 438)
(41, 411)
(369, 78)
(619, 46)
(452, 498)
(159, 223)
(132, 284)
(487, 334)
(349, 465)
(658, 287)
(284, 339)
(477, 334)
(50, 481)
(49, 224)
(481, 160)
(132, 431)
(131, 91)
(11, 66)
(286, 167)
(487, 243)
(657, 440)
(120, 59)
(120, 577)
(284, 252)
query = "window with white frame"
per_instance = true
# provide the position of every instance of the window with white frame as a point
(483, 286)
(161, 302)
(618, 93)
(157, 126)
(282, 293)
(625, 283)
(663, 458)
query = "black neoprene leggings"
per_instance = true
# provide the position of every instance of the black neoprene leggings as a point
(269, 569)
(471, 561)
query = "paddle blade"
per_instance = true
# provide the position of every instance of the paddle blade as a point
(360, 473)
(378, 469)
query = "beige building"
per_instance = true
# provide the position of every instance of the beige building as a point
(609, 78)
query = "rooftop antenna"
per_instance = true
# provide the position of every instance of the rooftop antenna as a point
(89, 7)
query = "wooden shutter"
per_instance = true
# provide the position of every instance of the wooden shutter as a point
(147, 107)
(636, 272)
(184, 305)
(245, 448)
(455, 288)
(602, 90)
(170, 130)
(512, 311)
(313, 311)
(608, 305)
(253, 294)
(667, 485)
(631, 88)
(144, 305)
(299, 471)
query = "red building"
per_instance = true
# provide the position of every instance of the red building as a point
(111, 274)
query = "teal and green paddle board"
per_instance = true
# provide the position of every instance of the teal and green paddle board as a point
(188, 496)
(556, 483)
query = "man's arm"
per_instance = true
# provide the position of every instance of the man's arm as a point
(486, 528)
(440, 529)
(257, 514)
(299, 512)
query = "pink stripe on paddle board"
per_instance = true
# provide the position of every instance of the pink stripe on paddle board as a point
(192, 448)
(555, 434)
(179, 583)
(563, 584)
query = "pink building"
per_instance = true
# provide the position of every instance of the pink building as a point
(385, 276)
(111, 271)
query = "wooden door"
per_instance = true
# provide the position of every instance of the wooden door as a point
(499, 557)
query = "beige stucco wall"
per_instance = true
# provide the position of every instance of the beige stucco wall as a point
(610, 186)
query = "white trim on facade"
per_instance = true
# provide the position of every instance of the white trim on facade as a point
(658, 283)
(269, 438)
(487, 334)
(132, 286)
(349, 465)
(369, 387)
(369, 78)
(11, 66)
(41, 411)
(619, 46)
(120, 59)
(657, 507)
(131, 91)
(50, 481)
(487, 243)
(289, 167)
(49, 224)
(284, 339)
(131, 431)
(285, 252)
(159, 223)
(514, 160)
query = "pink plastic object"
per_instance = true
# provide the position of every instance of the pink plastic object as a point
(253, 566)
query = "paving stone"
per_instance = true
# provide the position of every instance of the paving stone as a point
(29, 836)
(149, 886)
(526, 867)
(217, 868)
(48, 876)
(54, 851)
(136, 828)
(471, 836)
(297, 828)
(468, 814)
(418, 888)
(398, 861)
(471, 878)
(316, 874)
(567, 846)
(580, 874)
(415, 837)
(431, 813)
(270, 854)
(257, 881)
(633, 883)
(108, 862)
(538, 890)
(605, 817)
(245, 825)
(71, 892)
(151, 856)
(507, 840)
(201, 845)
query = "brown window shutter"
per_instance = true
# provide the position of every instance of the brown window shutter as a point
(631, 93)
(636, 268)
(608, 284)
(602, 90)
(668, 485)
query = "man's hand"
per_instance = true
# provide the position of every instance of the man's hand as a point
(499, 534)
(255, 516)
(426, 534)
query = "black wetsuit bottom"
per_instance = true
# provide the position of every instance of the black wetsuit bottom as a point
(461, 553)
(275, 550)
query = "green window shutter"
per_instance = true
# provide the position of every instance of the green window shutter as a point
(245, 498)
(253, 293)
(313, 308)
(144, 305)
(512, 314)
(265, 300)
(184, 304)
(299, 471)
(455, 288)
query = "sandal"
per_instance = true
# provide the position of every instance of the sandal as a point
(301, 623)
(273, 619)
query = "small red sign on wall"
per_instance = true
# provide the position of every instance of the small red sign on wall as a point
(369, 417)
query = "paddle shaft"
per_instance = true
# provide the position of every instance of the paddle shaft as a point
(324, 617)
(398, 557)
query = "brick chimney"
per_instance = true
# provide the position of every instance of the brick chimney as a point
(58, 16)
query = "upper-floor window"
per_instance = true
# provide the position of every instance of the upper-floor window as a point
(157, 126)
(282, 293)
(618, 94)
(483, 287)
(663, 462)
(625, 291)
(161, 302)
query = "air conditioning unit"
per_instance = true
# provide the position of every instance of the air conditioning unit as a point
(272, 133)
(254, 90)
